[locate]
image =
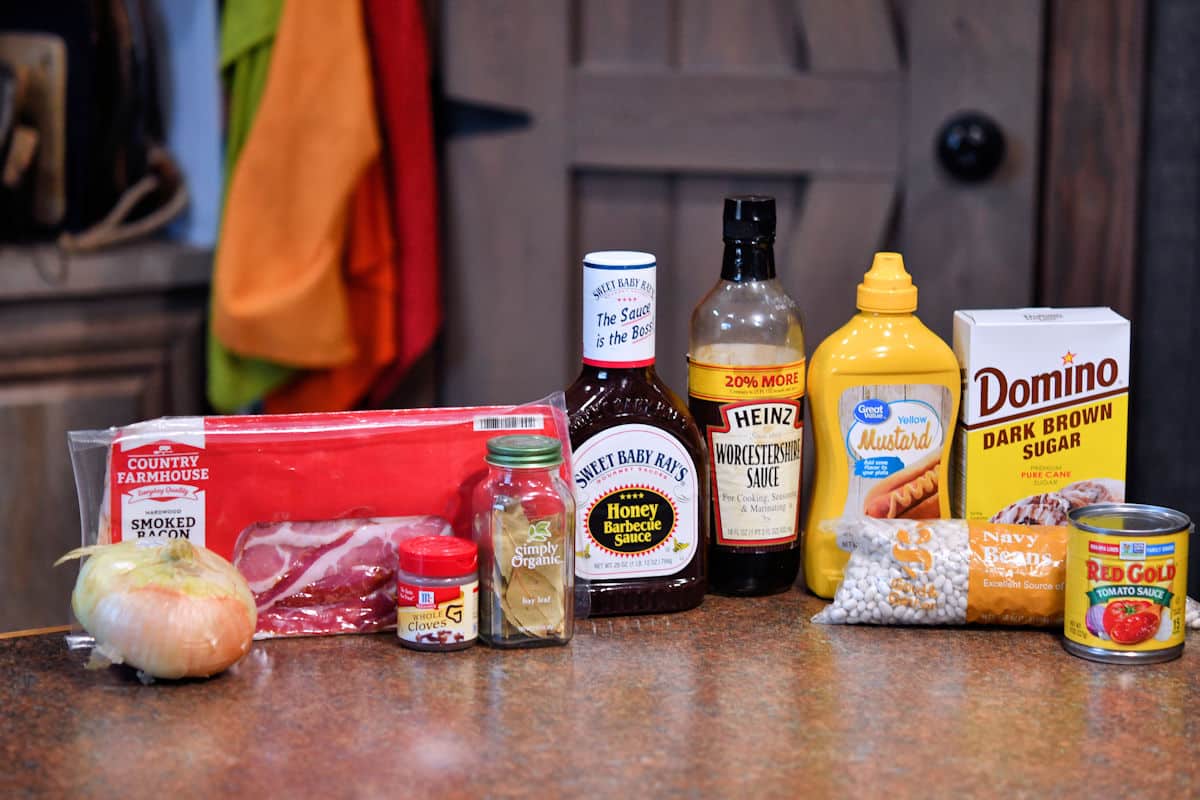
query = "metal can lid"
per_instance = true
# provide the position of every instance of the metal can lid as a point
(1129, 519)
(438, 556)
(524, 450)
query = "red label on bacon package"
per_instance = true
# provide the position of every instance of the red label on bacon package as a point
(161, 487)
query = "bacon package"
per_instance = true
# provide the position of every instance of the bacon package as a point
(310, 508)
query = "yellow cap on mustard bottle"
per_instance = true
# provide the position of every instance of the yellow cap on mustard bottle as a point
(887, 288)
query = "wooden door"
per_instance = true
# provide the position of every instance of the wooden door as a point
(622, 124)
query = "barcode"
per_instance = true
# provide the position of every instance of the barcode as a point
(515, 422)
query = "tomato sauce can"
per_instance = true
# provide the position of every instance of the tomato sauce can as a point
(1126, 587)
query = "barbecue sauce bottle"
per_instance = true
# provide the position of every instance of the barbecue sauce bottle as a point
(639, 464)
(746, 392)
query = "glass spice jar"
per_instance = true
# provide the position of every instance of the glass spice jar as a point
(525, 525)
(437, 593)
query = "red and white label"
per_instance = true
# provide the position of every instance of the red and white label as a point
(160, 476)
(618, 310)
(756, 466)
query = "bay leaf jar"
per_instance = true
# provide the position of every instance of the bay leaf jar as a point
(524, 524)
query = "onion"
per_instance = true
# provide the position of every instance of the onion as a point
(172, 611)
(1095, 621)
(1166, 625)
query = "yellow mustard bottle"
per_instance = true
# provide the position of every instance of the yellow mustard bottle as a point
(884, 392)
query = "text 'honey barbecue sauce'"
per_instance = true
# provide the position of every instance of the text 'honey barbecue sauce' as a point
(639, 464)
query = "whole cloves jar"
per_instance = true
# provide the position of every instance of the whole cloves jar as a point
(524, 523)
(437, 593)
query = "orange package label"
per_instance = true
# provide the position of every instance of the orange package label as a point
(1017, 573)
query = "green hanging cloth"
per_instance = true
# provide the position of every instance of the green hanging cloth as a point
(247, 36)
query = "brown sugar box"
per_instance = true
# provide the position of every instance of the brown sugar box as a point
(1045, 411)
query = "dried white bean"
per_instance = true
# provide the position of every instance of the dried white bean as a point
(921, 578)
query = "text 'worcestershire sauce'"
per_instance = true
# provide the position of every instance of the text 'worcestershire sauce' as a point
(639, 465)
(746, 380)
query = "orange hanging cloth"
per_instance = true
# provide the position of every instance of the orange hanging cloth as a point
(370, 282)
(279, 290)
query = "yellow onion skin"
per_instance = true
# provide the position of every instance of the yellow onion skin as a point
(172, 611)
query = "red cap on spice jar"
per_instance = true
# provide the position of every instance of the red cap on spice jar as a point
(438, 556)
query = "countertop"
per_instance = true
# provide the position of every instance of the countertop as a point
(739, 698)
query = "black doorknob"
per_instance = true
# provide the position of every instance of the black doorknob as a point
(970, 146)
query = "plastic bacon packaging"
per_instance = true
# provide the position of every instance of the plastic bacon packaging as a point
(310, 508)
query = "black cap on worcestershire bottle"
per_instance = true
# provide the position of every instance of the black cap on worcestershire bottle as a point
(749, 216)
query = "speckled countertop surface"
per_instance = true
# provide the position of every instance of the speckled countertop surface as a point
(738, 698)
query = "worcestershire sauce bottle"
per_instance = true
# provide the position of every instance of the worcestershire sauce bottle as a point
(639, 466)
(746, 392)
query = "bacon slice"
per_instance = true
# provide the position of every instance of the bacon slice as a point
(330, 576)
